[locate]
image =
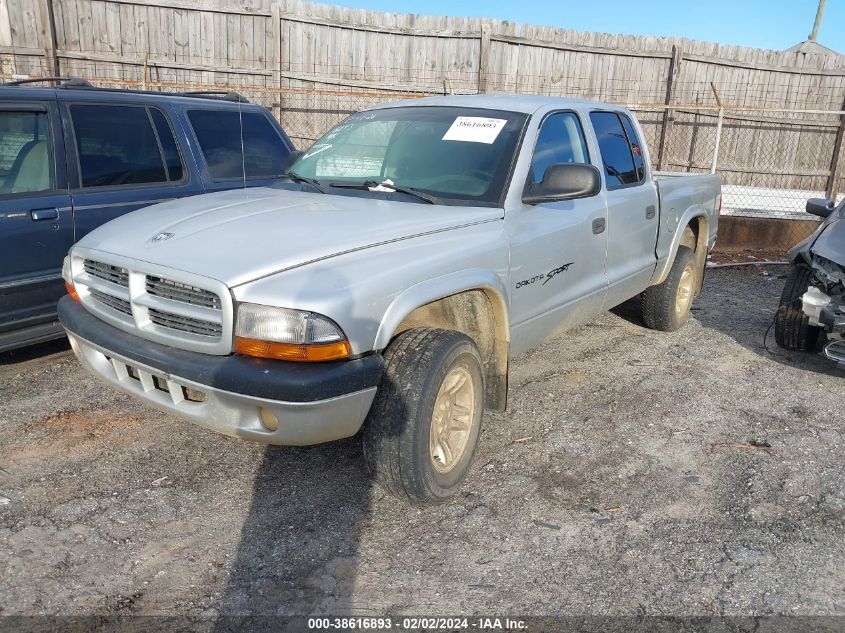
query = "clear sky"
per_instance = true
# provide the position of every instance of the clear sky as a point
(773, 24)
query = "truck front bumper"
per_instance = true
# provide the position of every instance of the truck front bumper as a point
(310, 403)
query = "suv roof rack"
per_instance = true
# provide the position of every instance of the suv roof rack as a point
(78, 82)
(225, 95)
(64, 82)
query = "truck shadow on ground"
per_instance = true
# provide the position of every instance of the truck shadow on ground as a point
(297, 553)
(742, 305)
(298, 549)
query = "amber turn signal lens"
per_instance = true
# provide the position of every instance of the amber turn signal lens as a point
(71, 291)
(289, 351)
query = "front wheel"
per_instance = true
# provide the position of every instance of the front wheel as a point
(792, 327)
(422, 430)
(666, 306)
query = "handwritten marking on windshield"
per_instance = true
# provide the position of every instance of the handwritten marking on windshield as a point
(317, 149)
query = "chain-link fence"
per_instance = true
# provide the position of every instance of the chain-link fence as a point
(770, 158)
(770, 161)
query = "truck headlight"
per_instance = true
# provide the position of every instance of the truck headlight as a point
(285, 334)
(68, 277)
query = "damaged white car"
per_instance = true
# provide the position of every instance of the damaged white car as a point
(813, 300)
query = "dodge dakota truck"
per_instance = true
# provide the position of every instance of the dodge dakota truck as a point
(384, 284)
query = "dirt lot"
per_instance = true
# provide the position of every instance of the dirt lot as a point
(635, 473)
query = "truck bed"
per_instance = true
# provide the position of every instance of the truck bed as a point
(680, 192)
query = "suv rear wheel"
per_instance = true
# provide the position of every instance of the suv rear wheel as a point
(422, 430)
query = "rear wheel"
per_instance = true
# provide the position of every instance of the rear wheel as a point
(792, 327)
(422, 430)
(666, 306)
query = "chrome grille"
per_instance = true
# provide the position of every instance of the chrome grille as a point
(114, 274)
(187, 311)
(183, 293)
(115, 303)
(185, 324)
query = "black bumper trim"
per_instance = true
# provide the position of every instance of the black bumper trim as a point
(271, 379)
(30, 335)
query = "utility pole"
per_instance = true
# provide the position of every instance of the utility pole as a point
(819, 15)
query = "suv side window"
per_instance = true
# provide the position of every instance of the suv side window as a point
(168, 145)
(561, 140)
(117, 145)
(219, 135)
(26, 161)
(636, 147)
(615, 149)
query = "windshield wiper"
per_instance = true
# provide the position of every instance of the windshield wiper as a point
(372, 184)
(304, 179)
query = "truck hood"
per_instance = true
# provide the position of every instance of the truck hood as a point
(240, 235)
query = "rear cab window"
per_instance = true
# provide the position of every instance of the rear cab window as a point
(636, 146)
(26, 153)
(120, 145)
(230, 151)
(616, 150)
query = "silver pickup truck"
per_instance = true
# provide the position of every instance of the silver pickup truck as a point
(385, 283)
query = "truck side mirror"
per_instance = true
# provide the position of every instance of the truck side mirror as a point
(294, 156)
(564, 181)
(821, 207)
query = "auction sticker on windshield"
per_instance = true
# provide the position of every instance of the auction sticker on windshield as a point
(474, 129)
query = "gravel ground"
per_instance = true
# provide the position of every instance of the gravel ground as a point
(635, 473)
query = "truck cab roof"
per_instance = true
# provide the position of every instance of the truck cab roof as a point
(526, 104)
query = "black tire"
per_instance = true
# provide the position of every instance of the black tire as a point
(792, 327)
(659, 302)
(397, 431)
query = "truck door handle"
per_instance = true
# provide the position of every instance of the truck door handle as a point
(650, 212)
(599, 225)
(39, 215)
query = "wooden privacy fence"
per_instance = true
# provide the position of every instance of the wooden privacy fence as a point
(780, 127)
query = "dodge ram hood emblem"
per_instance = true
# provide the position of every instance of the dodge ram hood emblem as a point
(160, 237)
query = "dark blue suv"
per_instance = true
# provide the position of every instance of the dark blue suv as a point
(74, 156)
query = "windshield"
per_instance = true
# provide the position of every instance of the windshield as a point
(450, 152)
